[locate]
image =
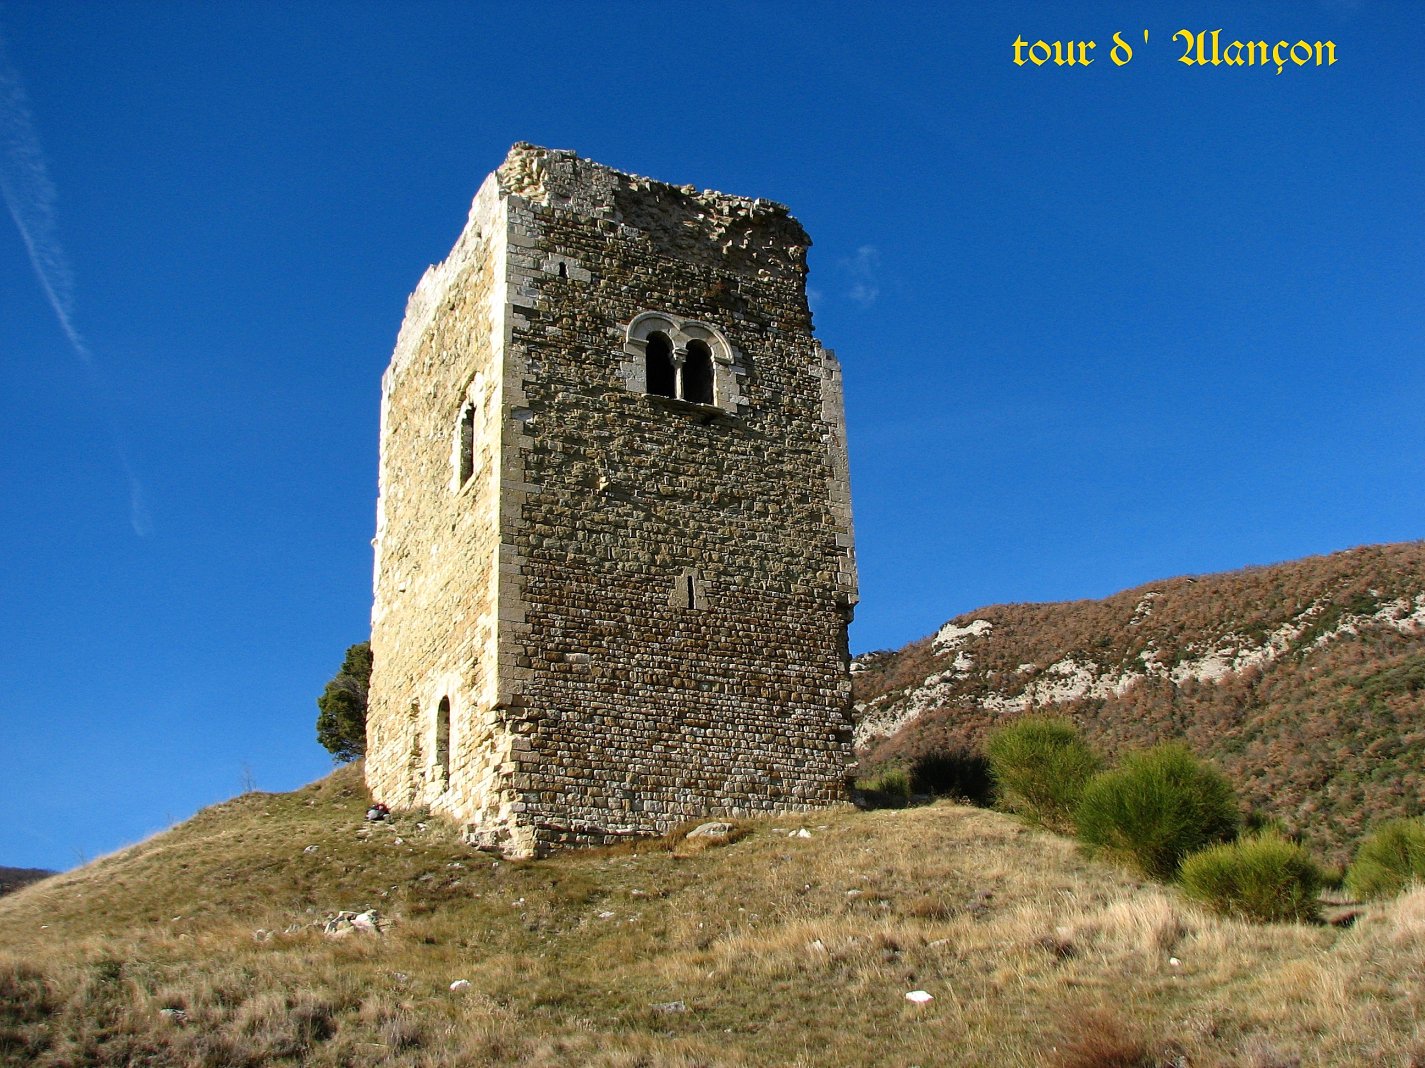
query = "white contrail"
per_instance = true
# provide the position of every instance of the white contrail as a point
(30, 196)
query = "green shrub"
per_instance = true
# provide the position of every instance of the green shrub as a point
(1266, 878)
(1391, 857)
(1158, 807)
(889, 787)
(1040, 766)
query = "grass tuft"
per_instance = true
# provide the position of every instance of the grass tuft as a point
(1100, 1039)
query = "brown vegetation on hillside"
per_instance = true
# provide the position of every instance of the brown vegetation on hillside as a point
(1327, 735)
(14, 878)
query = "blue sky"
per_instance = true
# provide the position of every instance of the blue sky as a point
(1099, 325)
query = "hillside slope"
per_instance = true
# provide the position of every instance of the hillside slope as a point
(1305, 681)
(205, 946)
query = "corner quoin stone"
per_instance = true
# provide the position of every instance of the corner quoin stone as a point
(614, 563)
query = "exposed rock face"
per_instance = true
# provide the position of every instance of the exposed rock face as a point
(1305, 681)
(614, 558)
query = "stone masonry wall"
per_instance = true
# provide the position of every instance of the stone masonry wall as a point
(641, 714)
(435, 627)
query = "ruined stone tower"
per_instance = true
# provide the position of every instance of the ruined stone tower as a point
(614, 562)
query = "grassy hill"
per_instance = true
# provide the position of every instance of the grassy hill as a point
(205, 946)
(1304, 681)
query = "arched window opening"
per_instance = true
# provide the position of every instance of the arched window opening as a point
(465, 446)
(698, 374)
(442, 738)
(661, 379)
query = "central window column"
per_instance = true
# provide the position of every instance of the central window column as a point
(680, 357)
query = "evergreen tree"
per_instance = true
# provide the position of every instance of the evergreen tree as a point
(341, 719)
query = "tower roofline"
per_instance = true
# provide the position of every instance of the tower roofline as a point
(547, 175)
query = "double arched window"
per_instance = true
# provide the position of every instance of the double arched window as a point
(685, 376)
(682, 360)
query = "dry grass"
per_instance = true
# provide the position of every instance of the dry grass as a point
(198, 948)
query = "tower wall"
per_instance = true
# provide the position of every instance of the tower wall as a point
(435, 618)
(651, 592)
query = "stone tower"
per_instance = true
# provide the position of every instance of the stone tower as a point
(614, 561)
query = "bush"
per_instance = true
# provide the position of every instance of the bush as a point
(953, 773)
(889, 787)
(1264, 878)
(1391, 857)
(1040, 766)
(1158, 807)
(341, 719)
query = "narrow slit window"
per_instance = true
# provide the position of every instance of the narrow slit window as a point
(661, 379)
(442, 738)
(698, 374)
(465, 446)
(688, 592)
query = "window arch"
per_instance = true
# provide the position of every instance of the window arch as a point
(685, 360)
(471, 419)
(698, 373)
(662, 377)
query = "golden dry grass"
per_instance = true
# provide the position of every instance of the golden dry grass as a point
(772, 950)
